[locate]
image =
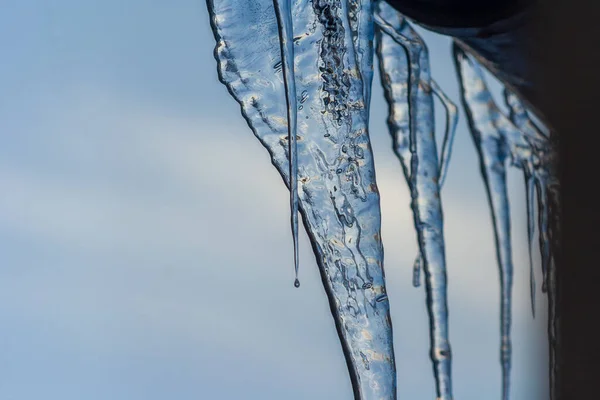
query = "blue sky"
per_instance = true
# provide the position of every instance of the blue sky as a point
(145, 252)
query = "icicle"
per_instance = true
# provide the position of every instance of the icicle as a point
(424, 171)
(553, 210)
(337, 191)
(449, 132)
(553, 323)
(530, 192)
(540, 168)
(284, 19)
(486, 123)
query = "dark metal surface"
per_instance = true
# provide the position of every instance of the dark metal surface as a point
(497, 33)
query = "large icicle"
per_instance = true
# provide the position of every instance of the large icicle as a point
(338, 195)
(283, 12)
(403, 58)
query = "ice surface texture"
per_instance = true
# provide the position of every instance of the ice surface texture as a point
(338, 196)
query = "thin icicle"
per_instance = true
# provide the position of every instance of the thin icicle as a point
(540, 168)
(553, 323)
(546, 184)
(423, 171)
(286, 38)
(450, 130)
(553, 207)
(487, 125)
(530, 193)
(337, 191)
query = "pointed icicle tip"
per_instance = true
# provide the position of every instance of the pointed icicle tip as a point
(286, 36)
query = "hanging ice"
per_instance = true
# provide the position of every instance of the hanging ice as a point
(499, 140)
(338, 195)
(301, 72)
(408, 88)
(284, 18)
(486, 122)
(546, 183)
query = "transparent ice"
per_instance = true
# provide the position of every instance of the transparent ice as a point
(337, 192)
(502, 141)
(407, 84)
(302, 72)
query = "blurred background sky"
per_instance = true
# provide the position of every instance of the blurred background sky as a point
(145, 252)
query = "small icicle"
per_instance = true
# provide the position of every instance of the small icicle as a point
(530, 193)
(449, 132)
(553, 316)
(552, 330)
(488, 126)
(284, 19)
(520, 118)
